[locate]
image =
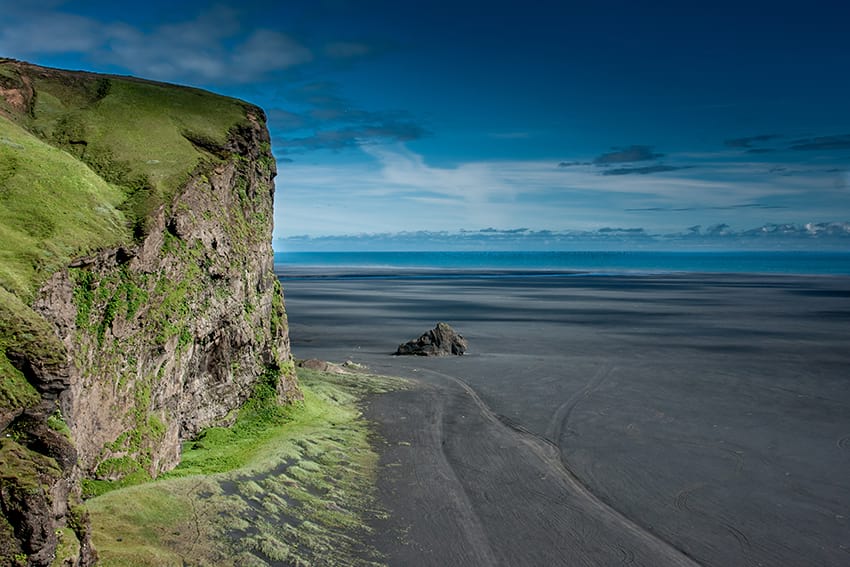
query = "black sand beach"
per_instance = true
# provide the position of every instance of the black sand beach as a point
(603, 420)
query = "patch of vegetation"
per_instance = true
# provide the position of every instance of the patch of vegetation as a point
(92, 488)
(99, 302)
(22, 468)
(292, 485)
(56, 422)
(68, 549)
(15, 390)
(52, 208)
(277, 319)
(83, 295)
(24, 335)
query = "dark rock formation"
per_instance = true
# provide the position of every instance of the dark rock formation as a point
(442, 340)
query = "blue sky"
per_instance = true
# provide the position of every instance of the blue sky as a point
(449, 116)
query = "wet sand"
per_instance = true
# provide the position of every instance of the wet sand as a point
(603, 420)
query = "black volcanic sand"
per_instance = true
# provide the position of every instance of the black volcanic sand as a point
(637, 420)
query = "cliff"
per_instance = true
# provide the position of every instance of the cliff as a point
(137, 299)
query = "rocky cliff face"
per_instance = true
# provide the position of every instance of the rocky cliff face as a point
(143, 344)
(169, 336)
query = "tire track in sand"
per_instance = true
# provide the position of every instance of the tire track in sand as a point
(562, 415)
(551, 455)
(470, 523)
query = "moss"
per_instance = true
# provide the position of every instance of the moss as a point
(277, 319)
(131, 291)
(15, 390)
(24, 469)
(117, 467)
(156, 428)
(24, 336)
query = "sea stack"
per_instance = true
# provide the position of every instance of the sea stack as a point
(442, 340)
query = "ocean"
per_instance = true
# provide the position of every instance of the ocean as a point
(603, 263)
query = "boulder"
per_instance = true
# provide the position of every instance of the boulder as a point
(442, 340)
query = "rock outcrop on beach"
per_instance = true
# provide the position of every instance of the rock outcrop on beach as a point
(442, 340)
(138, 303)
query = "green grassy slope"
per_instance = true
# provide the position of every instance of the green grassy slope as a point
(52, 207)
(144, 137)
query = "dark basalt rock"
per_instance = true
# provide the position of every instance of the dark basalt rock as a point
(442, 340)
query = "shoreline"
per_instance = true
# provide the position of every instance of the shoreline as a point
(703, 413)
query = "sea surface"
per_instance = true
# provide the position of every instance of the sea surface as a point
(298, 264)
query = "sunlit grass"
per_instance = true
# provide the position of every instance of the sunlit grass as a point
(52, 207)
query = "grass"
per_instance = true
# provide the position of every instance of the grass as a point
(52, 208)
(293, 485)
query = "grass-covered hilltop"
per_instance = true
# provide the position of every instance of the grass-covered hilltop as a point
(138, 306)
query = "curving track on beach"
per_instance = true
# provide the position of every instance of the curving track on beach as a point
(546, 515)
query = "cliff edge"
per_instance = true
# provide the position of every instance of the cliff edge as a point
(138, 302)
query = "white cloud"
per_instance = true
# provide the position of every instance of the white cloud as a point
(59, 33)
(207, 49)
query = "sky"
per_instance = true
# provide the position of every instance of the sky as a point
(461, 117)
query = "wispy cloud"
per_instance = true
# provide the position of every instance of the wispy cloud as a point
(720, 235)
(643, 170)
(626, 155)
(840, 142)
(715, 208)
(381, 130)
(401, 190)
(335, 123)
(749, 141)
(347, 49)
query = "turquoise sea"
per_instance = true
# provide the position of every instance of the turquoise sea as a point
(387, 263)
